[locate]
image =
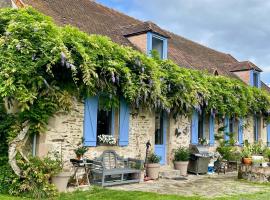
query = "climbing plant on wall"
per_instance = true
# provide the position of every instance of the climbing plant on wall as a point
(43, 67)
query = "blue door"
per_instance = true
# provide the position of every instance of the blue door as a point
(160, 136)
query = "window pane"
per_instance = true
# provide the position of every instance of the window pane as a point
(159, 129)
(157, 45)
(231, 126)
(255, 79)
(104, 121)
(200, 125)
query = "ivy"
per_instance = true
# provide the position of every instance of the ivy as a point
(43, 67)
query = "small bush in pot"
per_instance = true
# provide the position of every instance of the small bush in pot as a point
(181, 158)
(246, 154)
(80, 150)
(153, 166)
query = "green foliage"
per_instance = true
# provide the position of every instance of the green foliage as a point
(80, 151)
(246, 150)
(227, 148)
(266, 153)
(181, 154)
(6, 178)
(257, 148)
(153, 158)
(35, 181)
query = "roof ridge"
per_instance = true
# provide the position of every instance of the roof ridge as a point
(114, 10)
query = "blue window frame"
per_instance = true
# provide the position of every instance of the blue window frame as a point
(158, 43)
(255, 78)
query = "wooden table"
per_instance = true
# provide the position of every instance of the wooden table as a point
(82, 169)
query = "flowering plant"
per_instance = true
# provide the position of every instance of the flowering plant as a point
(106, 139)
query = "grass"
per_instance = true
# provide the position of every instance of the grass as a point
(107, 194)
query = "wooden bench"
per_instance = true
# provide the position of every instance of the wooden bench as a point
(111, 169)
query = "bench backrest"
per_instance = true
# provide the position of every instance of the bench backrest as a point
(109, 159)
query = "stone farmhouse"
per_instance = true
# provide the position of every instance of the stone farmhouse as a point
(132, 129)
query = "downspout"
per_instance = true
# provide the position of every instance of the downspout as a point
(34, 146)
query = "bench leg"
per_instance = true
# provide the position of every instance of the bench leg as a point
(103, 180)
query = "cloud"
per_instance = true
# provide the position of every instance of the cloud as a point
(240, 27)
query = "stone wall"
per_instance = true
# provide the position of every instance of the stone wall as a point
(183, 124)
(65, 132)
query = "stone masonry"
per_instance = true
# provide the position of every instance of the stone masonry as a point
(65, 131)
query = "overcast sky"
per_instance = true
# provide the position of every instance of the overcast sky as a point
(238, 27)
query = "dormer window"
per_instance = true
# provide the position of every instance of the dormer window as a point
(157, 43)
(255, 80)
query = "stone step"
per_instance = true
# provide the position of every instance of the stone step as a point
(170, 174)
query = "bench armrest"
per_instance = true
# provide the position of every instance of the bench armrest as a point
(97, 165)
(135, 163)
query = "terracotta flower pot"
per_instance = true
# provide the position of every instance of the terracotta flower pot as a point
(153, 170)
(247, 161)
(182, 166)
(61, 180)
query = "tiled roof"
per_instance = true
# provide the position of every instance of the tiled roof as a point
(240, 66)
(265, 87)
(95, 18)
(143, 28)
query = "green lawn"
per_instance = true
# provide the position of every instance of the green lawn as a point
(107, 194)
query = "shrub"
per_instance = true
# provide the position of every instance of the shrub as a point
(153, 158)
(181, 154)
(266, 153)
(6, 178)
(35, 180)
(257, 148)
(247, 150)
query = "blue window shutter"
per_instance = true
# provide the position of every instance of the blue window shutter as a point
(227, 128)
(268, 135)
(251, 78)
(165, 49)
(259, 80)
(240, 131)
(149, 43)
(212, 130)
(124, 123)
(194, 128)
(90, 121)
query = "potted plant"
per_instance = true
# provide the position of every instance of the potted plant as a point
(153, 166)
(106, 140)
(246, 155)
(60, 177)
(80, 151)
(181, 158)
